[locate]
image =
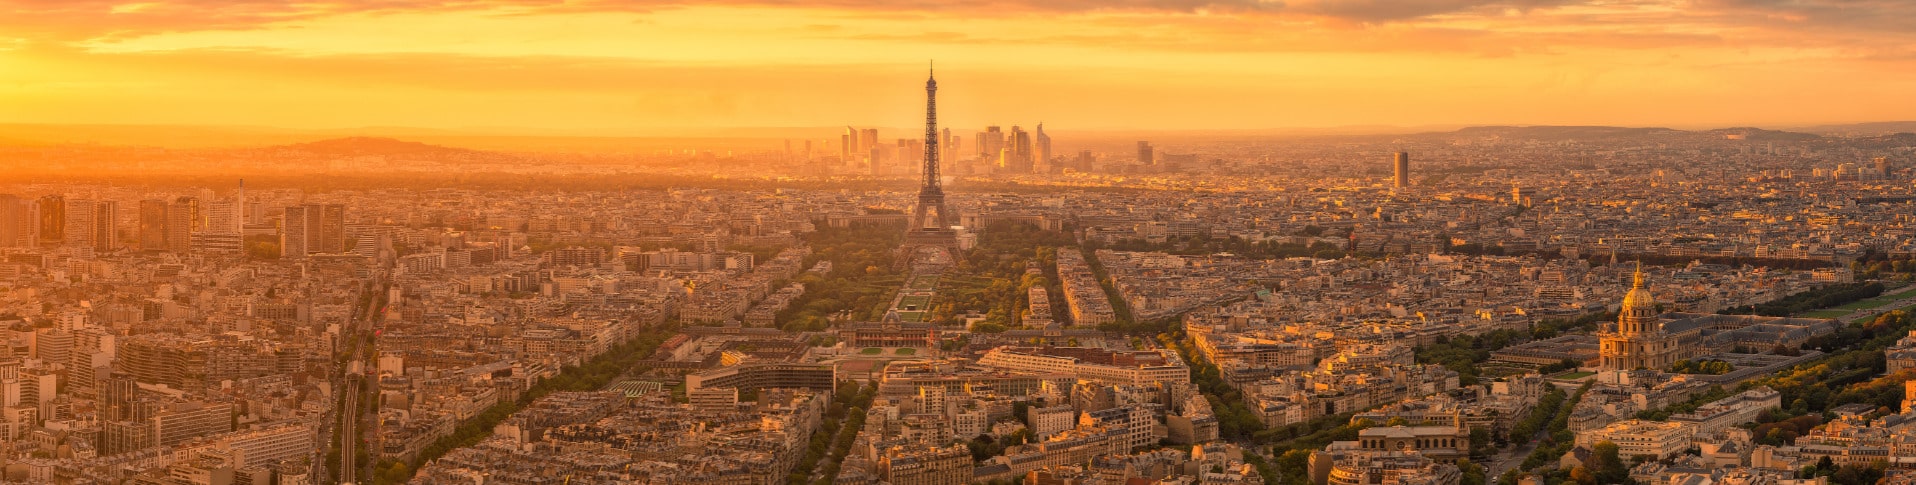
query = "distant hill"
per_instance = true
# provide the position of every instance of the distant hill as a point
(1559, 133)
(1545, 132)
(1861, 129)
(1566, 133)
(1759, 134)
(1882, 142)
(356, 146)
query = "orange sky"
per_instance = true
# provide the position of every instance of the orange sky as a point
(630, 67)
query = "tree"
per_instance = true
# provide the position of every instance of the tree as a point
(1857, 475)
(1479, 442)
(1609, 467)
(1582, 476)
(1473, 474)
(1510, 477)
(1294, 466)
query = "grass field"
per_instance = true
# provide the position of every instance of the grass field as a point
(1824, 314)
(1870, 303)
(919, 302)
(914, 317)
(905, 351)
(872, 351)
(923, 282)
(1900, 296)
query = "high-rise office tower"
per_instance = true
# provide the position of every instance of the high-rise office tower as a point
(1044, 148)
(78, 215)
(1019, 145)
(1882, 167)
(17, 222)
(868, 139)
(950, 148)
(182, 220)
(946, 146)
(195, 213)
(153, 220)
(1085, 160)
(845, 144)
(332, 229)
(990, 142)
(222, 217)
(106, 217)
(310, 229)
(296, 228)
(53, 219)
(911, 154)
(1145, 155)
(1402, 169)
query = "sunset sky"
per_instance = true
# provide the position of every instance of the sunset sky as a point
(604, 67)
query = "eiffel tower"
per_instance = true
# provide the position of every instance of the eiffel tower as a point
(930, 232)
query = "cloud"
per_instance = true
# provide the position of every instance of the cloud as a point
(68, 20)
(1878, 15)
(1832, 21)
(1394, 10)
(94, 19)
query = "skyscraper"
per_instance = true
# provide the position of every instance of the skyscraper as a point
(1402, 166)
(1145, 155)
(78, 217)
(153, 219)
(182, 220)
(16, 222)
(1011, 156)
(990, 142)
(227, 217)
(868, 139)
(946, 148)
(1044, 149)
(53, 219)
(222, 217)
(332, 229)
(848, 144)
(1020, 146)
(310, 229)
(295, 229)
(106, 234)
(195, 214)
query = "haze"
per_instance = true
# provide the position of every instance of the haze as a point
(624, 68)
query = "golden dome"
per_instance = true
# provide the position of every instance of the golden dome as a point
(1639, 297)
